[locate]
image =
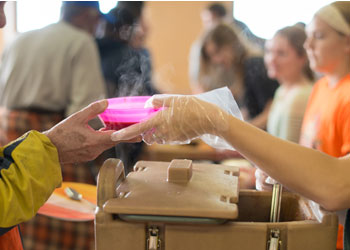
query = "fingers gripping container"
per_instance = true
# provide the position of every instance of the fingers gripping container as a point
(125, 111)
(181, 205)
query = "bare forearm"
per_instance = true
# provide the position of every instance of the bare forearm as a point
(308, 172)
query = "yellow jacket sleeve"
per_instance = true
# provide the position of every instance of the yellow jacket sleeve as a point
(29, 173)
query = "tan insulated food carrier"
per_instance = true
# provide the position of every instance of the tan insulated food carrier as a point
(185, 206)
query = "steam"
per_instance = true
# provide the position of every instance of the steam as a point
(134, 74)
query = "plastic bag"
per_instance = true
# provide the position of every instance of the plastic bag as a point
(224, 99)
(221, 97)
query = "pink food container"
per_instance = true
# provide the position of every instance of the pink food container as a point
(125, 111)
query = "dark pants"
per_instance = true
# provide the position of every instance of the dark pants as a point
(347, 232)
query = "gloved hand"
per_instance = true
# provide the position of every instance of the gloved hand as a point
(182, 119)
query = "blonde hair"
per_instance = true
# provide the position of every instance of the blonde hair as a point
(344, 8)
(336, 15)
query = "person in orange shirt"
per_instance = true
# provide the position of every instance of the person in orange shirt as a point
(319, 177)
(326, 123)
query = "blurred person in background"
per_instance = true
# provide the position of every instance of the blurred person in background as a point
(30, 166)
(228, 59)
(286, 61)
(46, 75)
(326, 123)
(322, 177)
(211, 16)
(126, 64)
(214, 14)
(30, 170)
(50, 73)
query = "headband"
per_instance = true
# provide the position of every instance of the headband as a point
(332, 16)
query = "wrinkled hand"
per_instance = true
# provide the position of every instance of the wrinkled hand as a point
(76, 141)
(183, 119)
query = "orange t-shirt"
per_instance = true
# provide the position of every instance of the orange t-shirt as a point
(326, 123)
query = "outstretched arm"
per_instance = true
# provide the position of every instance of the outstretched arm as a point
(311, 173)
(30, 167)
(29, 172)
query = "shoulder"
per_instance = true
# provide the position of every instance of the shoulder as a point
(318, 86)
(279, 91)
(303, 91)
(300, 96)
(73, 34)
(26, 37)
(345, 83)
(344, 92)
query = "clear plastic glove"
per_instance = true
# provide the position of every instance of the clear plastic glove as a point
(183, 119)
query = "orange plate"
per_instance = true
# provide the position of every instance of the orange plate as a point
(60, 206)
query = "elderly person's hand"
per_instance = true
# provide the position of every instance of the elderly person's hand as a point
(76, 141)
(183, 119)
